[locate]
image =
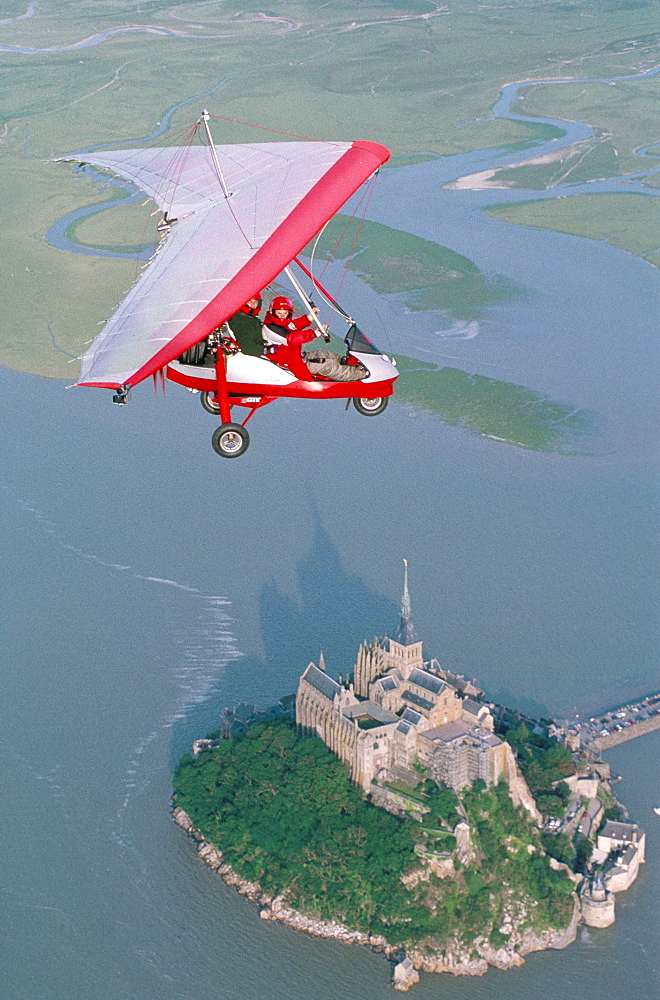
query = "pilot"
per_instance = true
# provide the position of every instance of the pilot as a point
(246, 327)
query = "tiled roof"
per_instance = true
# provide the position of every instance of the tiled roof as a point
(473, 707)
(406, 633)
(320, 680)
(370, 709)
(416, 699)
(619, 831)
(411, 716)
(403, 727)
(445, 734)
(423, 679)
(628, 855)
(388, 684)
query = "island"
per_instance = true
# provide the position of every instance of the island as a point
(396, 807)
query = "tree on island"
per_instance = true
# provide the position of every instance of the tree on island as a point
(281, 808)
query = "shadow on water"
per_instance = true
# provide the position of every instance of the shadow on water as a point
(528, 706)
(334, 612)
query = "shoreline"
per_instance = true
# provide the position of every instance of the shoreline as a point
(624, 735)
(271, 908)
(456, 958)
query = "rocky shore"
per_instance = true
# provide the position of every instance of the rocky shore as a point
(455, 958)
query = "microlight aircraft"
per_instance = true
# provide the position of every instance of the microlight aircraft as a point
(234, 218)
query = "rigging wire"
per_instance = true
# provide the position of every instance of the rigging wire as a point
(227, 199)
(277, 131)
(167, 187)
(333, 305)
(363, 203)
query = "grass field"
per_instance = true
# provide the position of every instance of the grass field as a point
(385, 71)
(624, 116)
(493, 408)
(430, 276)
(629, 221)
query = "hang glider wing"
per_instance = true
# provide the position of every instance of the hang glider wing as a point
(220, 250)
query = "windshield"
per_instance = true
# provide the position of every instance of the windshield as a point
(355, 340)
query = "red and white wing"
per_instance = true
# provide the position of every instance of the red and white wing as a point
(219, 251)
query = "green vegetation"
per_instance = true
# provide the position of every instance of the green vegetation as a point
(367, 723)
(544, 763)
(493, 408)
(440, 840)
(122, 230)
(443, 805)
(430, 276)
(624, 118)
(511, 850)
(282, 810)
(582, 161)
(560, 847)
(583, 851)
(424, 85)
(408, 791)
(630, 221)
(612, 808)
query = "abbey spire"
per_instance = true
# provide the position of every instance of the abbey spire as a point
(406, 633)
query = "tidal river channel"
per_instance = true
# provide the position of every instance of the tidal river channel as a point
(148, 584)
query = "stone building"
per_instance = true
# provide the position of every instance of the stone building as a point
(400, 710)
(590, 818)
(619, 836)
(625, 844)
(597, 903)
(457, 754)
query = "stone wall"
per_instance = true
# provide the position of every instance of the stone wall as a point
(629, 733)
(518, 789)
(597, 907)
(399, 805)
(618, 878)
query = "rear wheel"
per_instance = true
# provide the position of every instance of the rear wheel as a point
(210, 403)
(230, 440)
(370, 407)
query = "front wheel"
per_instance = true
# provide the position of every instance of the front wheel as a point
(370, 407)
(230, 440)
(210, 403)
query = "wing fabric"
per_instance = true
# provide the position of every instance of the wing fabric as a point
(219, 251)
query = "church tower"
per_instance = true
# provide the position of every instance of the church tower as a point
(406, 649)
(404, 652)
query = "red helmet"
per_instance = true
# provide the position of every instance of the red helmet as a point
(282, 302)
(253, 312)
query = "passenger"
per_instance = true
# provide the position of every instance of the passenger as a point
(246, 327)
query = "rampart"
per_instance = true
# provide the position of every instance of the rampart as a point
(623, 735)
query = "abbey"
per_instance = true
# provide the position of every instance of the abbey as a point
(400, 711)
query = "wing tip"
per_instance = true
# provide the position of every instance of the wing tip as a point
(380, 152)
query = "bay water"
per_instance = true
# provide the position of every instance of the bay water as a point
(147, 584)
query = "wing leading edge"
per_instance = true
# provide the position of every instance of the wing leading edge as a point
(219, 251)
